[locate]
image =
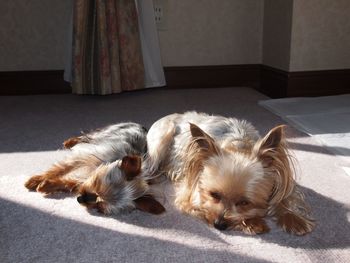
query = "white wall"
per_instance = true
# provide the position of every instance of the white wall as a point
(277, 33)
(208, 32)
(298, 34)
(33, 34)
(320, 35)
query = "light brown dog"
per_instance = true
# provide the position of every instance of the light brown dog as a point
(104, 169)
(226, 174)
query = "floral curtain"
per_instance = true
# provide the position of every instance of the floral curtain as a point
(107, 55)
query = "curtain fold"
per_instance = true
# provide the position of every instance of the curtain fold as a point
(154, 73)
(107, 56)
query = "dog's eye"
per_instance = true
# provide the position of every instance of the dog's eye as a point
(242, 203)
(215, 195)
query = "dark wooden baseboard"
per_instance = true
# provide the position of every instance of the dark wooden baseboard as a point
(278, 83)
(247, 75)
(319, 83)
(33, 82)
(273, 82)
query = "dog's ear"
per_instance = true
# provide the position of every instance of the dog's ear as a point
(131, 165)
(148, 204)
(273, 153)
(274, 137)
(286, 202)
(203, 140)
(270, 145)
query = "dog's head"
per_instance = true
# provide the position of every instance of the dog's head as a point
(119, 186)
(234, 184)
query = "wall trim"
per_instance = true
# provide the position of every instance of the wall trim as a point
(273, 82)
(319, 83)
(33, 82)
(278, 83)
(213, 76)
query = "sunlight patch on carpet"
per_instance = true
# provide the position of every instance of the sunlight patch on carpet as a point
(327, 119)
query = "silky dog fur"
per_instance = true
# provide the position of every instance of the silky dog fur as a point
(226, 174)
(104, 169)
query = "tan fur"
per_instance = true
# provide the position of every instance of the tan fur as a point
(104, 168)
(69, 143)
(228, 176)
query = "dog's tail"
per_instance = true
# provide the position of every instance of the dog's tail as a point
(159, 140)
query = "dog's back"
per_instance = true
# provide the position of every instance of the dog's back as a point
(169, 137)
(113, 142)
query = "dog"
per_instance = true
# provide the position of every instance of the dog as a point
(104, 169)
(226, 174)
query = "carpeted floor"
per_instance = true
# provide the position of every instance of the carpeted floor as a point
(57, 229)
(326, 119)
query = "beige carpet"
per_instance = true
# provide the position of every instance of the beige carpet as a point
(326, 119)
(37, 229)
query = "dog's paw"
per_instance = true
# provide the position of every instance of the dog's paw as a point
(47, 187)
(295, 224)
(44, 186)
(33, 182)
(253, 226)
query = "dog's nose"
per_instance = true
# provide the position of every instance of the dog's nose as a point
(87, 198)
(220, 225)
(80, 199)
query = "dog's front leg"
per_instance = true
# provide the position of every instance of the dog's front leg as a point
(52, 180)
(253, 226)
(49, 186)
